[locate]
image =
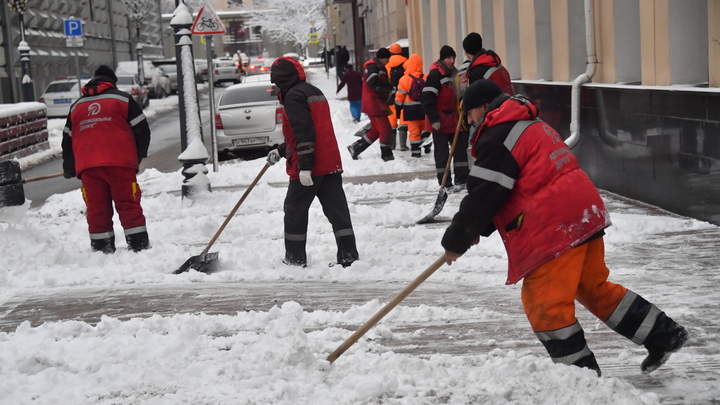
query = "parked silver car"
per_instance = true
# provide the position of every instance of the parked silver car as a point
(168, 68)
(225, 71)
(157, 83)
(249, 116)
(131, 85)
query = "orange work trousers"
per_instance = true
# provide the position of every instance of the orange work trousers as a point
(415, 128)
(549, 293)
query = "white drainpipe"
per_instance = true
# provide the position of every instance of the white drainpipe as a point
(583, 78)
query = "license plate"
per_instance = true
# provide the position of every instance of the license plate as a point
(62, 101)
(250, 141)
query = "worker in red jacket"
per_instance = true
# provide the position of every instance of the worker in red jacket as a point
(313, 164)
(105, 137)
(485, 64)
(440, 104)
(527, 184)
(353, 79)
(377, 94)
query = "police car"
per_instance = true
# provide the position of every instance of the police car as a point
(60, 94)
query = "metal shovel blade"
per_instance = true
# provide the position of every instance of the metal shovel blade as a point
(204, 263)
(439, 204)
(10, 172)
(12, 195)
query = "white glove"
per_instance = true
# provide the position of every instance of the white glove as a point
(273, 157)
(436, 125)
(306, 178)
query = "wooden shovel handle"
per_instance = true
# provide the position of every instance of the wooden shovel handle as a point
(452, 149)
(234, 210)
(49, 176)
(386, 309)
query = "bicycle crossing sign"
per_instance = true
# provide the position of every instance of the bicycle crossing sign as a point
(207, 21)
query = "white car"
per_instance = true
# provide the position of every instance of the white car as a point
(225, 71)
(249, 116)
(60, 94)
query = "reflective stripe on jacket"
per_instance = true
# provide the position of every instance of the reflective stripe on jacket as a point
(526, 183)
(439, 99)
(411, 110)
(376, 89)
(310, 142)
(105, 127)
(553, 206)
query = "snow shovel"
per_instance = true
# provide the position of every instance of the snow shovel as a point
(12, 192)
(442, 195)
(386, 309)
(206, 262)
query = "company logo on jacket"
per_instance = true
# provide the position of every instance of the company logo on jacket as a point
(93, 109)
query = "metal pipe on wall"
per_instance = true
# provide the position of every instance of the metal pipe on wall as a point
(583, 78)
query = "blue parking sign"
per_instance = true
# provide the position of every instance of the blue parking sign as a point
(73, 28)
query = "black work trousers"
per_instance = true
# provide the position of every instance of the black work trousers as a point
(460, 166)
(328, 189)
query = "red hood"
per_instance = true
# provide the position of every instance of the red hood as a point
(439, 65)
(96, 86)
(489, 58)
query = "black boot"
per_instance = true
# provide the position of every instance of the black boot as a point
(386, 153)
(402, 133)
(665, 338)
(589, 362)
(138, 241)
(295, 253)
(415, 149)
(347, 250)
(105, 245)
(393, 142)
(357, 148)
(633, 316)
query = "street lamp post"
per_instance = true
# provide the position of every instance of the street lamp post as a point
(28, 90)
(141, 64)
(194, 155)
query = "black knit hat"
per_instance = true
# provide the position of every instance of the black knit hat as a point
(106, 71)
(481, 92)
(472, 43)
(447, 52)
(382, 53)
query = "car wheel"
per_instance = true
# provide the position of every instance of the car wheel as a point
(161, 93)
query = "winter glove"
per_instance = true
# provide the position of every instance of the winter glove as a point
(306, 178)
(69, 174)
(436, 125)
(273, 157)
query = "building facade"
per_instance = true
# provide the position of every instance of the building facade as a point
(649, 119)
(112, 30)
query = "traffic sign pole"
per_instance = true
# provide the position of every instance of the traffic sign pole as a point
(74, 39)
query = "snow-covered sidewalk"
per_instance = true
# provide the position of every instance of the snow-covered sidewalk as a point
(121, 329)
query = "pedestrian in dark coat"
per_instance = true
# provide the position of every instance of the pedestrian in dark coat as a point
(313, 164)
(342, 56)
(353, 79)
(527, 184)
(105, 137)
